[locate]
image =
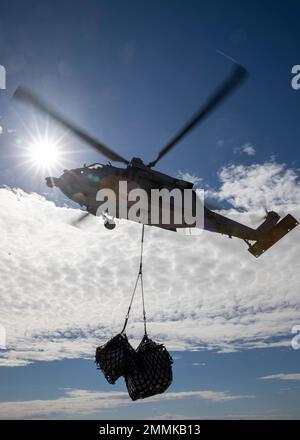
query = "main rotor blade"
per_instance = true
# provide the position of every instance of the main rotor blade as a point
(25, 95)
(236, 77)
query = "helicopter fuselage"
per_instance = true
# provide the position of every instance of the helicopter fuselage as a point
(82, 185)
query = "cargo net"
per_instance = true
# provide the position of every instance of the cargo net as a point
(150, 372)
(113, 357)
(148, 369)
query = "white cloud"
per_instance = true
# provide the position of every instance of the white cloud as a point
(189, 177)
(215, 396)
(282, 376)
(76, 402)
(271, 185)
(247, 148)
(65, 290)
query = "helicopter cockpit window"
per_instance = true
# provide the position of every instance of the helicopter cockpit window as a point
(95, 166)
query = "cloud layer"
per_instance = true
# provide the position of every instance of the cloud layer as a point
(282, 376)
(65, 290)
(270, 185)
(77, 402)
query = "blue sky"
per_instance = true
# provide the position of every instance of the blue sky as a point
(131, 73)
(235, 371)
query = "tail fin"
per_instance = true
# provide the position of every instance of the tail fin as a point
(270, 232)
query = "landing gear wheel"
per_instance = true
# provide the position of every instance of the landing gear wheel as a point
(109, 224)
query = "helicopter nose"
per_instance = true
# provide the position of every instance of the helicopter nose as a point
(67, 182)
(51, 181)
(69, 177)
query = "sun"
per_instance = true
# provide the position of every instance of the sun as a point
(45, 149)
(45, 153)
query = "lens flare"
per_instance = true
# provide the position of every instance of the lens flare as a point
(45, 154)
(44, 150)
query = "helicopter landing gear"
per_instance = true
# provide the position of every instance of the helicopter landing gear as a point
(109, 224)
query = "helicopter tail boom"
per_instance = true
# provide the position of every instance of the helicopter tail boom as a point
(260, 239)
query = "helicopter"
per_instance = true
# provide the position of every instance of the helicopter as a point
(81, 185)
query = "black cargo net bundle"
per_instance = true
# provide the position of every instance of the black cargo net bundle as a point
(148, 369)
(113, 357)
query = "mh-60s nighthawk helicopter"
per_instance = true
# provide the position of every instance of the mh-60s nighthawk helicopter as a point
(82, 184)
